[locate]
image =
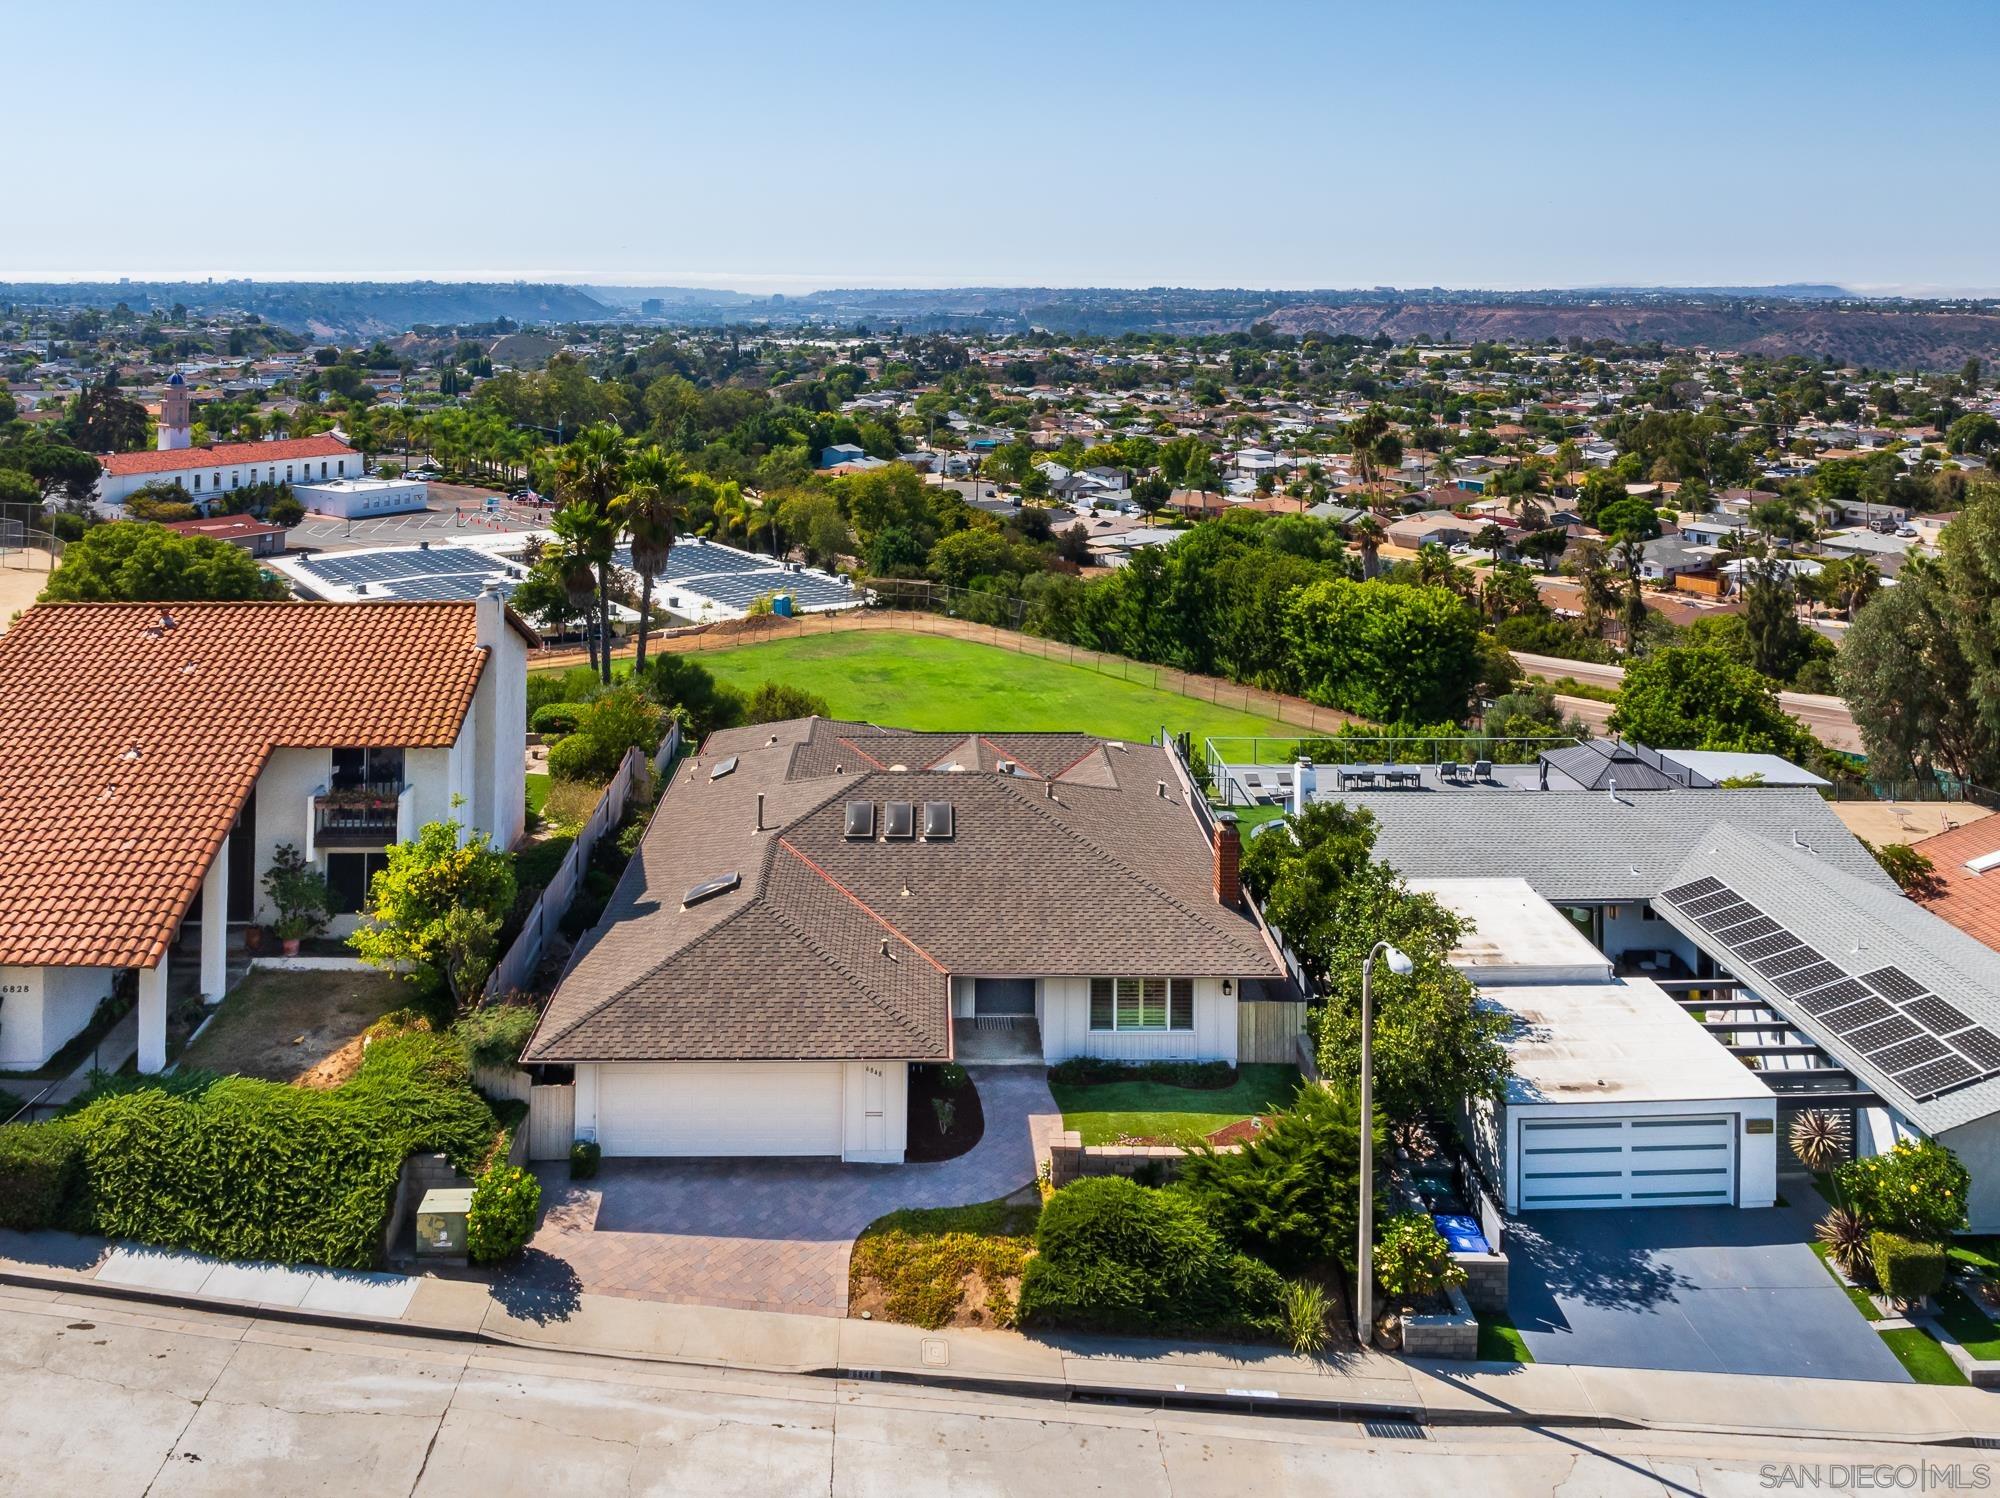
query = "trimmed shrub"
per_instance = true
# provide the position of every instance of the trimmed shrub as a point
(1905, 1269)
(577, 760)
(584, 1155)
(777, 701)
(493, 1034)
(1093, 1071)
(505, 1202)
(259, 1170)
(555, 719)
(1116, 1256)
(41, 1166)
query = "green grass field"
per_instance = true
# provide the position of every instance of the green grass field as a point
(1500, 1341)
(1106, 1112)
(917, 681)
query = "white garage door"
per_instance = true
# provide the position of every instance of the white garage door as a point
(724, 1109)
(1627, 1162)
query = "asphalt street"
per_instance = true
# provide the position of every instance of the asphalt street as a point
(122, 1399)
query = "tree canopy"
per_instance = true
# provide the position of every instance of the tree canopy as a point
(1686, 697)
(134, 561)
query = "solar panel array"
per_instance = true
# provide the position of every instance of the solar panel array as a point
(737, 579)
(1927, 1045)
(432, 575)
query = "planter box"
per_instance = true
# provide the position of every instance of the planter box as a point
(1485, 1280)
(1070, 1159)
(1447, 1335)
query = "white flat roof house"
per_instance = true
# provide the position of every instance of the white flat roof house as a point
(1619, 1098)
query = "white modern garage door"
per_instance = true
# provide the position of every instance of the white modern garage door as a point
(721, 1109)
(1627, 1162)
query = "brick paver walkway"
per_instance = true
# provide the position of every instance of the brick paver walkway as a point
(771, 1234)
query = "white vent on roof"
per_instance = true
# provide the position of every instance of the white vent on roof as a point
(1985, 863)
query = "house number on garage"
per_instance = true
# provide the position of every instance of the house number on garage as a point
(1760, 1126)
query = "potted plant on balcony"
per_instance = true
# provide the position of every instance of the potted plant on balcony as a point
(300, 893)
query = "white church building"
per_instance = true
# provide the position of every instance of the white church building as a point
(208, 473)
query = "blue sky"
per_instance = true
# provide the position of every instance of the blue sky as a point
(790, 146)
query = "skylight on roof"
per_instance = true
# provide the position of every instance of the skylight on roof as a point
(708, 889)
(860, 819)
(939, 823)
(722, 768)
(900, 818)
(1985, 863)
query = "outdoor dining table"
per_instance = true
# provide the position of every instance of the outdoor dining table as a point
(1389, 774)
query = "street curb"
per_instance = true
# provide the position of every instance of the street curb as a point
(1263, 1403)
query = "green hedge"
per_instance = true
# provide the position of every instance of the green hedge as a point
(41, 1167)
(1906, 1269)
(555, 719)
(1092, 1071)
(1115, 1256)
(259, 1170)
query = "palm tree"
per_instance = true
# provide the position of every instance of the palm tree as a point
(589, 477)
(1368, 535)
(656, 488)
(580, 535)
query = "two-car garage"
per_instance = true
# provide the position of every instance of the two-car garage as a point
(1676, 1160)
(728, 1109)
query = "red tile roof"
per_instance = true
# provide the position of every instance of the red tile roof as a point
(121, 465)
(1967, 900)
(134, 744)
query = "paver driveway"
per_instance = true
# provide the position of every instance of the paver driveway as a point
(771, 1234)
(1708, 1289)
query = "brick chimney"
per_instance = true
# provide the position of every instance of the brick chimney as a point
(1228, 858)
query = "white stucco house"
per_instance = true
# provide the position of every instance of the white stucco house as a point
(179, 745)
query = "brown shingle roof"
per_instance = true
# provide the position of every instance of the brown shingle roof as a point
(837, 948)
(135, 742)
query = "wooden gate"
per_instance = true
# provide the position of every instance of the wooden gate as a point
(551, 1122)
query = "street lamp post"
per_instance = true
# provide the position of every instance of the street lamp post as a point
(1364, 1290)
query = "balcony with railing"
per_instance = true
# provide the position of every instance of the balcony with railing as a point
(357, 816)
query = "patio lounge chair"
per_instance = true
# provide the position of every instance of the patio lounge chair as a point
(1482, 769)
(1449, 771)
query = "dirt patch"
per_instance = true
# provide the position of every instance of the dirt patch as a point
(303, 1028)
(1241, 1132)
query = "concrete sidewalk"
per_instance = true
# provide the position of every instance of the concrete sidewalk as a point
(1352, 1382)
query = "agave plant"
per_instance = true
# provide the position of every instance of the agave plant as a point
(1845, 1235)
(1819, 1139)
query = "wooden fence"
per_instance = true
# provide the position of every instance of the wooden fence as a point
(1268, 1029)
(514, 972)
(551, 1121)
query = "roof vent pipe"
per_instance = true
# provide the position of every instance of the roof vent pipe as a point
(1048, 790)
(760, 811)
(1163, 790)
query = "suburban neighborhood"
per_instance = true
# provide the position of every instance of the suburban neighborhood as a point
(694, 803)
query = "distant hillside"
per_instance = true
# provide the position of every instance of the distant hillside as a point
(351, 311)
(1903, 336)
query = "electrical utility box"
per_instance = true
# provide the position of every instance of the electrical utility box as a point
(441, 1222)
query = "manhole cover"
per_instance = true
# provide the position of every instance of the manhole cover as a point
(937, 1352)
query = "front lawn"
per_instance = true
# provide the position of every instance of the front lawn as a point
(1919, 1352)
(1500, 1341)
(538, 793)
(1971, 1327)
(1977, 1251)
(943, 1266)
(295, 1027)
(1111, 1112)
(908, 680)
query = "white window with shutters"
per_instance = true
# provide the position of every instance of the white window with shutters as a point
(1145, 1004)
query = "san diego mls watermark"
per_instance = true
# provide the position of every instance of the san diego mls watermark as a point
(1876, 1477)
